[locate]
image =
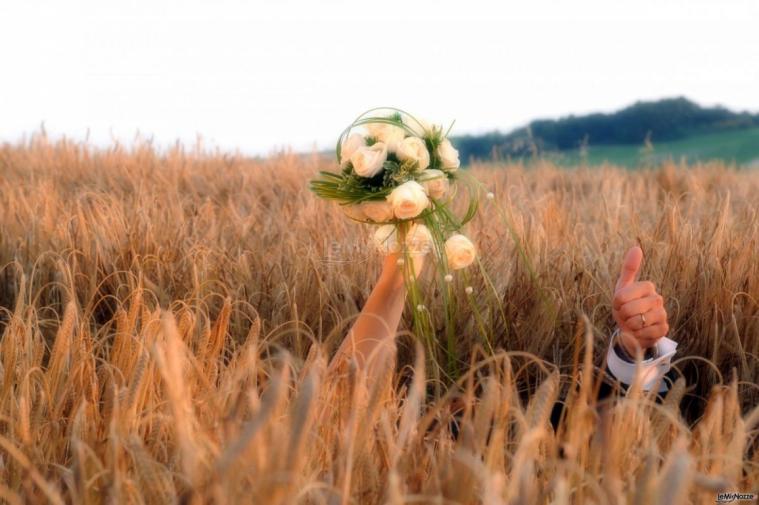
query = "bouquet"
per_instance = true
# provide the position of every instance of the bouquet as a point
(402, 174)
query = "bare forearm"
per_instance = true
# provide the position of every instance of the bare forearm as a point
(377, 324)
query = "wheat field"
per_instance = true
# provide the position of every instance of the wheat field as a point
(167, 318)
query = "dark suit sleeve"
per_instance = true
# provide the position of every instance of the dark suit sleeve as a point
(610, 382)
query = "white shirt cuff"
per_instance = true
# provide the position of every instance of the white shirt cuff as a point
(652, 369)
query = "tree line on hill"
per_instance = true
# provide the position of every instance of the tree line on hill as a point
(640, 123)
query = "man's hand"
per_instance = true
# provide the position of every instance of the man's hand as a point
(637, 308)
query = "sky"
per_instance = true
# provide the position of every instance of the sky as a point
(259, 76)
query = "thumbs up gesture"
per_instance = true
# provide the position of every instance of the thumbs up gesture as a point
(637, 308)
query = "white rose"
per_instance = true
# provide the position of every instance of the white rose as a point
(354, 212)
(378, 211)
(419, 239)
(460, 251)
(367, 161)
(435, 182)
(386, 239)
(449, 156)
(386, 133)
(351, 144)
(408, 200)
(414, 149)
(421, 127)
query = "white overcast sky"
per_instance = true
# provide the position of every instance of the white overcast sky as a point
(260, 76)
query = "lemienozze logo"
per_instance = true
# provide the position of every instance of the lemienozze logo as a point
(731, 497)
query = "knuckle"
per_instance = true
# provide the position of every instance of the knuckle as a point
(650, 286)
(620, 296)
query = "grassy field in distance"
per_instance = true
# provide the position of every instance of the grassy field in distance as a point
(739, 147)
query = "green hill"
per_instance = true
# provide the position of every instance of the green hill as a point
(739, 147)
(671, 128)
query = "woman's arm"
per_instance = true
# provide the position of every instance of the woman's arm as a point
(374, 331)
